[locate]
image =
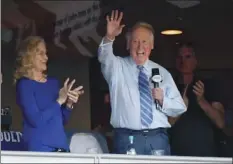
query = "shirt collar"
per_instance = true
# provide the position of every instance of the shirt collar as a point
(145, 65)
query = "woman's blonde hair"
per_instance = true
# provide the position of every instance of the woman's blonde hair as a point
(26, 54)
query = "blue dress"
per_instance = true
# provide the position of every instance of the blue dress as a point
(43, 117)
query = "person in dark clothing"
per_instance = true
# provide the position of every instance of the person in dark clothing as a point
(192, 133)
(103, 124)
(224, 137)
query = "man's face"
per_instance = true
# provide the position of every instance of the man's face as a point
(186, 61)
(140, 45)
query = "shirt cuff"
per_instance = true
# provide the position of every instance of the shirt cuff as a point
(163, 107)
(57, 104)
(66, 108)
(107, 43)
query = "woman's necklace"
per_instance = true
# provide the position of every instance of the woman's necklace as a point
(41, 79)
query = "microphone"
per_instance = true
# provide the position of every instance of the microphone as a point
(156, 78)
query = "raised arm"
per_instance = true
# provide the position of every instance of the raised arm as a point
(66, 113)
(109, 62)
(27, 102)
(213, 107)
(73, 97)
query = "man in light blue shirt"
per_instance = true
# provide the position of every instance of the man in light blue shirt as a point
(133, 96)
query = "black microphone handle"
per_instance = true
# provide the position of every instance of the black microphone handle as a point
(156, 85)
(156, 104)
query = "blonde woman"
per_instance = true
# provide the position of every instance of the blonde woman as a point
(45, 107)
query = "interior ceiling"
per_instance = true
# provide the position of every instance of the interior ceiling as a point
(208, 24)
(210, 17)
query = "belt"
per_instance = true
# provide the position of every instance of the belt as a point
(143, 131)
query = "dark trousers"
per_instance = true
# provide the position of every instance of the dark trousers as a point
(144, 141)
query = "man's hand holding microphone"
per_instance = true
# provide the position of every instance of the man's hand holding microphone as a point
(157, 93)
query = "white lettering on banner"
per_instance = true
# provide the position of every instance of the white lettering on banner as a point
(11, 136)
(80, 16)
(5, 111)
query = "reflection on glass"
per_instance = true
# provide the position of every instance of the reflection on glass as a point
(158, 152)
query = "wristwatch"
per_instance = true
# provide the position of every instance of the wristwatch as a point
(71, 107)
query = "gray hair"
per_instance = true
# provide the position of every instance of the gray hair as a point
(140, 25)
